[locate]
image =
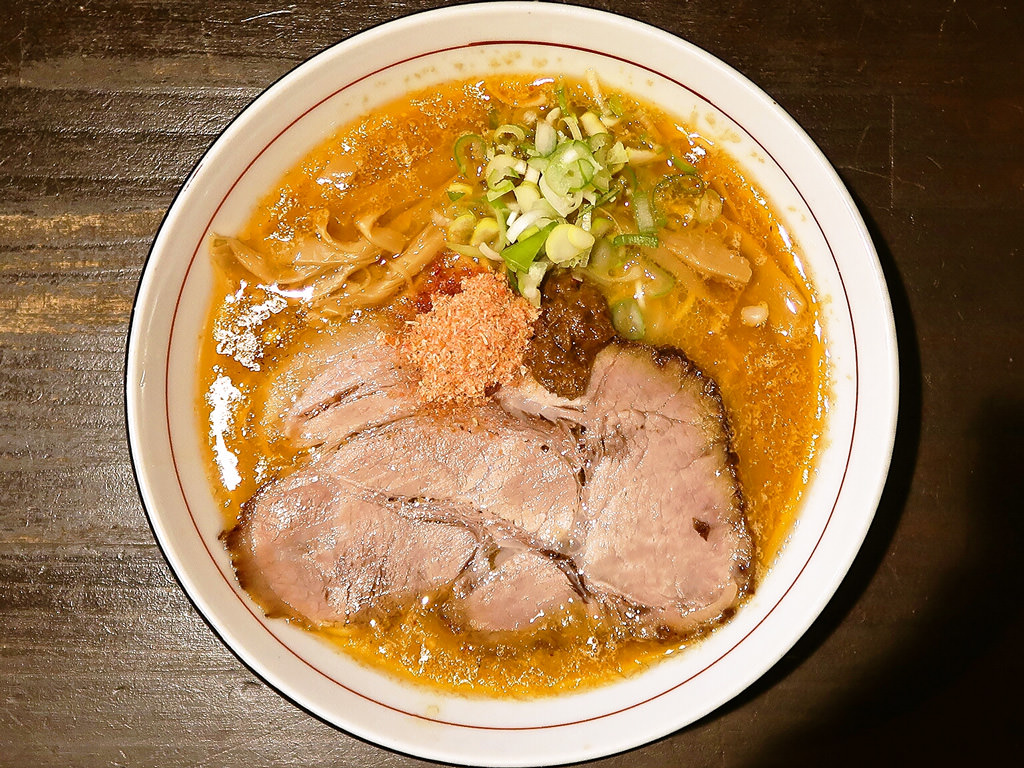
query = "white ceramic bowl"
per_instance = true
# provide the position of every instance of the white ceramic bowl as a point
(303, 108)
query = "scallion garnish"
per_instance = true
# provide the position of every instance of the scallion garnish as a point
(628, 319)
(644, 241)
(538, 191)
(462, 145)
(643, 213)
(519, 256)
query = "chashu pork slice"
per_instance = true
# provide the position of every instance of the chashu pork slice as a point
(521, 587)
(337, 385)
(315, 546)
(663, 529)
(519, 472)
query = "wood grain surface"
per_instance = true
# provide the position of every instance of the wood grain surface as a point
(105, 106)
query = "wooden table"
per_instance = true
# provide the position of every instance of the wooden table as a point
(105, 106)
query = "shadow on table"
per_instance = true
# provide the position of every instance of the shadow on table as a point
(950, 692)
(952, 688)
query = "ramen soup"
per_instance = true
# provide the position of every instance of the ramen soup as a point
(512, 387)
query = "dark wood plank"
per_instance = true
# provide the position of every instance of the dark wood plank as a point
(105, 106)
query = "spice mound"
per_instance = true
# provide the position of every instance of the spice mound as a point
(470, 342)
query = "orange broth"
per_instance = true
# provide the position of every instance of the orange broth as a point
(773, 382)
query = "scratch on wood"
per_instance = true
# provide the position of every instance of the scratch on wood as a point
(285, 11)
(235, 747)
(945, 17)
(892, 152)
(865, 171)
(860, 142)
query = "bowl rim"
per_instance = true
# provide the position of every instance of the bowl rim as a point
(134, 361)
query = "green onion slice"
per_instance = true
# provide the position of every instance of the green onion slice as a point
(643, 212)
(546, 139)
(463, 145)
(641, 240)
(522, 254)
(682, 165)
(529, 282)
(560, 95)
(503, 187)
(661, 282)
(680, 184)
(628, 319)
(508, 129)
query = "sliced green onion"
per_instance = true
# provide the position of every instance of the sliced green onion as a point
(617, 155)
(568, 243)
(571, 152)
(573, 126)
(598, 142)
(485, 231)
(539, 164)
(643, 213)
(642, 156)
(522, 254)
(682, 165)
(458, 190)
(571, 168)
(568, 177)
(546, 139)
(489, 252)
(604, 257)
(562, 167)
(508, 129)
(527, 194)
(661, 282)
(463, 144)
(523, 223)
(644, 241)
(592, 124)
(529, 283)
(460, 230)
(563, 104)
(563, 204)
(531, 230)
(628, 319)
(546, 207)
(501, 214)
(503, 187)
(600, 226)
(503, 166)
